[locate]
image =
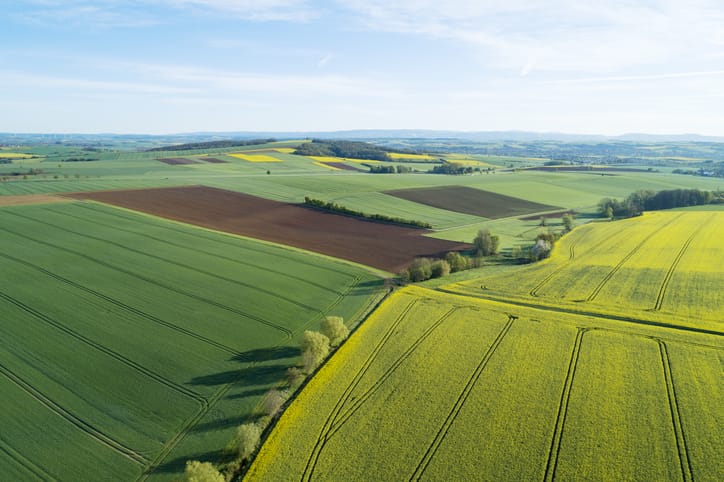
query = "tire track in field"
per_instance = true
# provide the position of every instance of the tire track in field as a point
(187, 232)
(623, 261)
(196, 250)
(77, 422)
(26, 463)
(125, 307)
(555, 450)
(687, 473)
(571, 258)
(211, 274)
(670, 273)
(283, 329)
(361, 399)
(322, 437)
(105, 350)
(460, 402)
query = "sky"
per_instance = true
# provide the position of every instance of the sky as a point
(170, 66)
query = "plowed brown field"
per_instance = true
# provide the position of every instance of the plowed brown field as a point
(382, 246)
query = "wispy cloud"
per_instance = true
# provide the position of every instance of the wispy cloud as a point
(557, 35)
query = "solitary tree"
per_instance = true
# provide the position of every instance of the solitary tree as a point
(333, 327)
(315, 348)
(567, 222)
(456, 261)
(609, 212)
(246, 440)
(201, 472)
(485, 243)
(440, 268)
(420, 269)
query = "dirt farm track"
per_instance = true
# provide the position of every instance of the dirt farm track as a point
(384, 246)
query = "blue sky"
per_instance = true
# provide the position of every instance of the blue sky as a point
(168, 66)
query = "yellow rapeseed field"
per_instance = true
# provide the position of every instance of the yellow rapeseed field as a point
(662, 266)
(14, 155)
(256, 157)
(435, 386)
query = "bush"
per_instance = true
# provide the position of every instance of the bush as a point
(315, 348)
(201, 472)
(294, 376)
(440, 268)
(333, 327)
(273, 401)
(246, 440)
(420, 269)
(457, 261)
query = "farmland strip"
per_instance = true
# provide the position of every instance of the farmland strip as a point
(670, 273)
(26, 463)
(175, 263)
(322, 438)
(616, 268)
(200, 233)
(196, 250)
(462, 398)
(361, 399)
(103, 349)
(684, 460)
(555, 449)
(258, 319)
(124, 306)
(72, 419)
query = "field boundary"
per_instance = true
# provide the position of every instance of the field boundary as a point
(322, 437)
(460, 402)
(555, 449)
(687, 473)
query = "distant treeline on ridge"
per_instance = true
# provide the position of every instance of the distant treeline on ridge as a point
(212, 145)
(352, 149)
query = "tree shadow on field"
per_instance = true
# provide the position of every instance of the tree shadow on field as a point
(368, 287)
(179, 464)
(251, 376)
(268, 354)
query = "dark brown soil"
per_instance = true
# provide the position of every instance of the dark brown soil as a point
(471, 201)
(213, 160)
(382, 246)
(176, 161)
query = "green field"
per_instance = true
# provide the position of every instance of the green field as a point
(132, 344)
(440, 387)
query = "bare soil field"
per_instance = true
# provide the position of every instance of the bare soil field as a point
(471, 201)
(176, 161)
(213, 160)
(382, 246)
(30, 199)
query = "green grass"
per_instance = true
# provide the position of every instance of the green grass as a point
(141, 343)
(440, 387)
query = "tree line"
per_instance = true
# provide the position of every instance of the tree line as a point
(645, 200)
(339, 209)
(212, 145)
(352, 149)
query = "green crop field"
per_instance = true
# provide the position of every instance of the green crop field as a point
(131, 344)
(440, 387)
